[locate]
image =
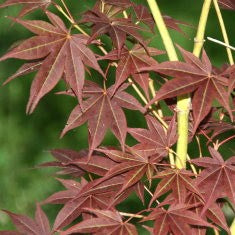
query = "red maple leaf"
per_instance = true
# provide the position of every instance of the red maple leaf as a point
(28, 226)
(93, 195)
(132, 165)
(28, 5)
(116, 28)
(193, 75)
(62, 51)
(104, 222)
(217, 179)
(177, 181)
(131, 61)
(103, 110)
(176, 220)
(155, 140)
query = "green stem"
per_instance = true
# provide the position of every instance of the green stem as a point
(223, 30)
(183, 102)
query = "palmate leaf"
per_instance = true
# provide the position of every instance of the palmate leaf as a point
(98, 165)
(117, 28)
(217, 180)
(28, 226)
(154, 140)
(176, 220)
(177, 181)
(92, 195)
(131, 61)
(111, 8)
(132, 165)
(28, 5)
(143, 15)
(196, 76)
(103, 110)
(214, 213)
(105, 222)
(62, 51)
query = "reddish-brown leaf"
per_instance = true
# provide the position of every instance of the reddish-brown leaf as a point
(28, 226)
(177, 181)
(217, 179)
(94, 195)
(106, 221)
(177, 220)
(154, 140)
(63, 52)
(196, 76)
(116, 28)
(131, 61)
(103, 111)
(28, 5)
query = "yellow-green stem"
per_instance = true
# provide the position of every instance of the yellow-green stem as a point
(223, 30)
(183, 102)
(232, 227)
(231, 61)
(199, 39)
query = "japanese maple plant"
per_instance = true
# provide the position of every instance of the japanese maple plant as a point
(107, 65)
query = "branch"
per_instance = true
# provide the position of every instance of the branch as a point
(223, 30)
(183, 102)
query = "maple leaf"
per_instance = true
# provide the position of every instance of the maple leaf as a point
(176, 220)
(217, 179)
(193, 75)
(143, 15)
(64, 159)
(116, 28)
(92, 195)
(214, 213)
(24, 70)
(28, 5)
(105, 222)
(131, 61)
(103, 110)
(28, 226)
(227, 4)
(111, 8)
(177, 181)
(155, 140)
(62, 51)
(132, 165)
(77, 163)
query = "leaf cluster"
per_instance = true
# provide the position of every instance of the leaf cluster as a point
(98, 180)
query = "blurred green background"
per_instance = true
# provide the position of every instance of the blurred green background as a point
(25, 140)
